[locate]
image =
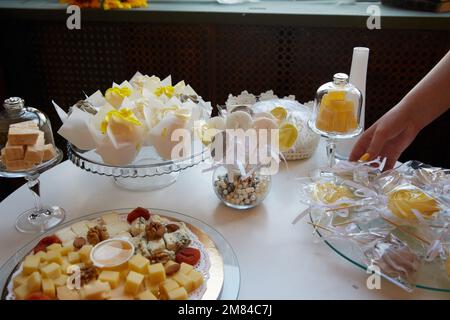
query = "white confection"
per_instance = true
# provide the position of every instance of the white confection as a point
(239, 120)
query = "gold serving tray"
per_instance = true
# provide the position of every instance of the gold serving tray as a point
(214, 244)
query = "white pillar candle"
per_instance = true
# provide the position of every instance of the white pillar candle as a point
(358, 75)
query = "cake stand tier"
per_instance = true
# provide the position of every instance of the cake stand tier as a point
(147, 172)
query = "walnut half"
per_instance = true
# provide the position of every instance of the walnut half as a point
(97, 234)
(154, 231)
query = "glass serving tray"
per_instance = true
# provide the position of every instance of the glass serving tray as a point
(224, 279)
(431, 276)
(147, 172)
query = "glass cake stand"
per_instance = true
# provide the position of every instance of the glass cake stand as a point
(41, 217)
(147, 172)
(430, 276)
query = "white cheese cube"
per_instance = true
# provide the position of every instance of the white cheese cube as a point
(80, 228)
(65, 235)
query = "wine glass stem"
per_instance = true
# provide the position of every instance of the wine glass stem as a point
(331, 152)
(34, 186)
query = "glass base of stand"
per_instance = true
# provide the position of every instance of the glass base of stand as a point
(147, 183)
(323, 174)
(33, 221)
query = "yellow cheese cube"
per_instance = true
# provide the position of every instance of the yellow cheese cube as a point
(65, 250)
(42, 255)
(54, 256)
(197, 278)
(34, 282)
(42, 265)
(21, 292)
(185, 268)
(146, 295)
(31, 264)
(124, 273)
(54, 246)
(156, 273)
(48, 288)
(65, 265)
(73, 257)
(61, 280)
(153, 287)
(96, 290)
(112, 277)
(51, 271)
(139, 264)
(184, 281)
(178, 294)
(167, 286)
(133, 283)
(20, 280)
(64, 293)
(85, 253)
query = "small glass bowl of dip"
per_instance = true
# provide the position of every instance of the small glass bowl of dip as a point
(112, 253)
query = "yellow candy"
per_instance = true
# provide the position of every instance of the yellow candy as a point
(279, 112)
(365, 157)
(336, 114)
(116, 95)
(126, 115)
(167, 90)
(288, 134)
(329, 192)
(402, 202)
(123, 92)
(336, 95)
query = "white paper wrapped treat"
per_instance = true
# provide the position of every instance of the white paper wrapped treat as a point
(144, 111)
(290, 116)
(118, 135)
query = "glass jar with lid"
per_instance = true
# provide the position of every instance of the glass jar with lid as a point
(28, 149)
(337, 111)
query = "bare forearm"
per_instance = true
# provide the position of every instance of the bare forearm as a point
(431, 96)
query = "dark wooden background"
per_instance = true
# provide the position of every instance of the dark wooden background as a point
(42, 60)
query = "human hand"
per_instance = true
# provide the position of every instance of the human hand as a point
(388, 137)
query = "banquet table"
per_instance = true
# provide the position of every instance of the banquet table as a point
(278, 260)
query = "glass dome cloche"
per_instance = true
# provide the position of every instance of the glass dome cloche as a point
(337, 111)
(28, 149)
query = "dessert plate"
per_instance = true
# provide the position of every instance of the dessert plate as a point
(223, 281)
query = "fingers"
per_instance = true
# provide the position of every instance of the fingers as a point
(379, 139)
(362, 144)
(393, 149)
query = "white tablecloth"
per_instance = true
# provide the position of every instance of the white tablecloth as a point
(277, 260)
